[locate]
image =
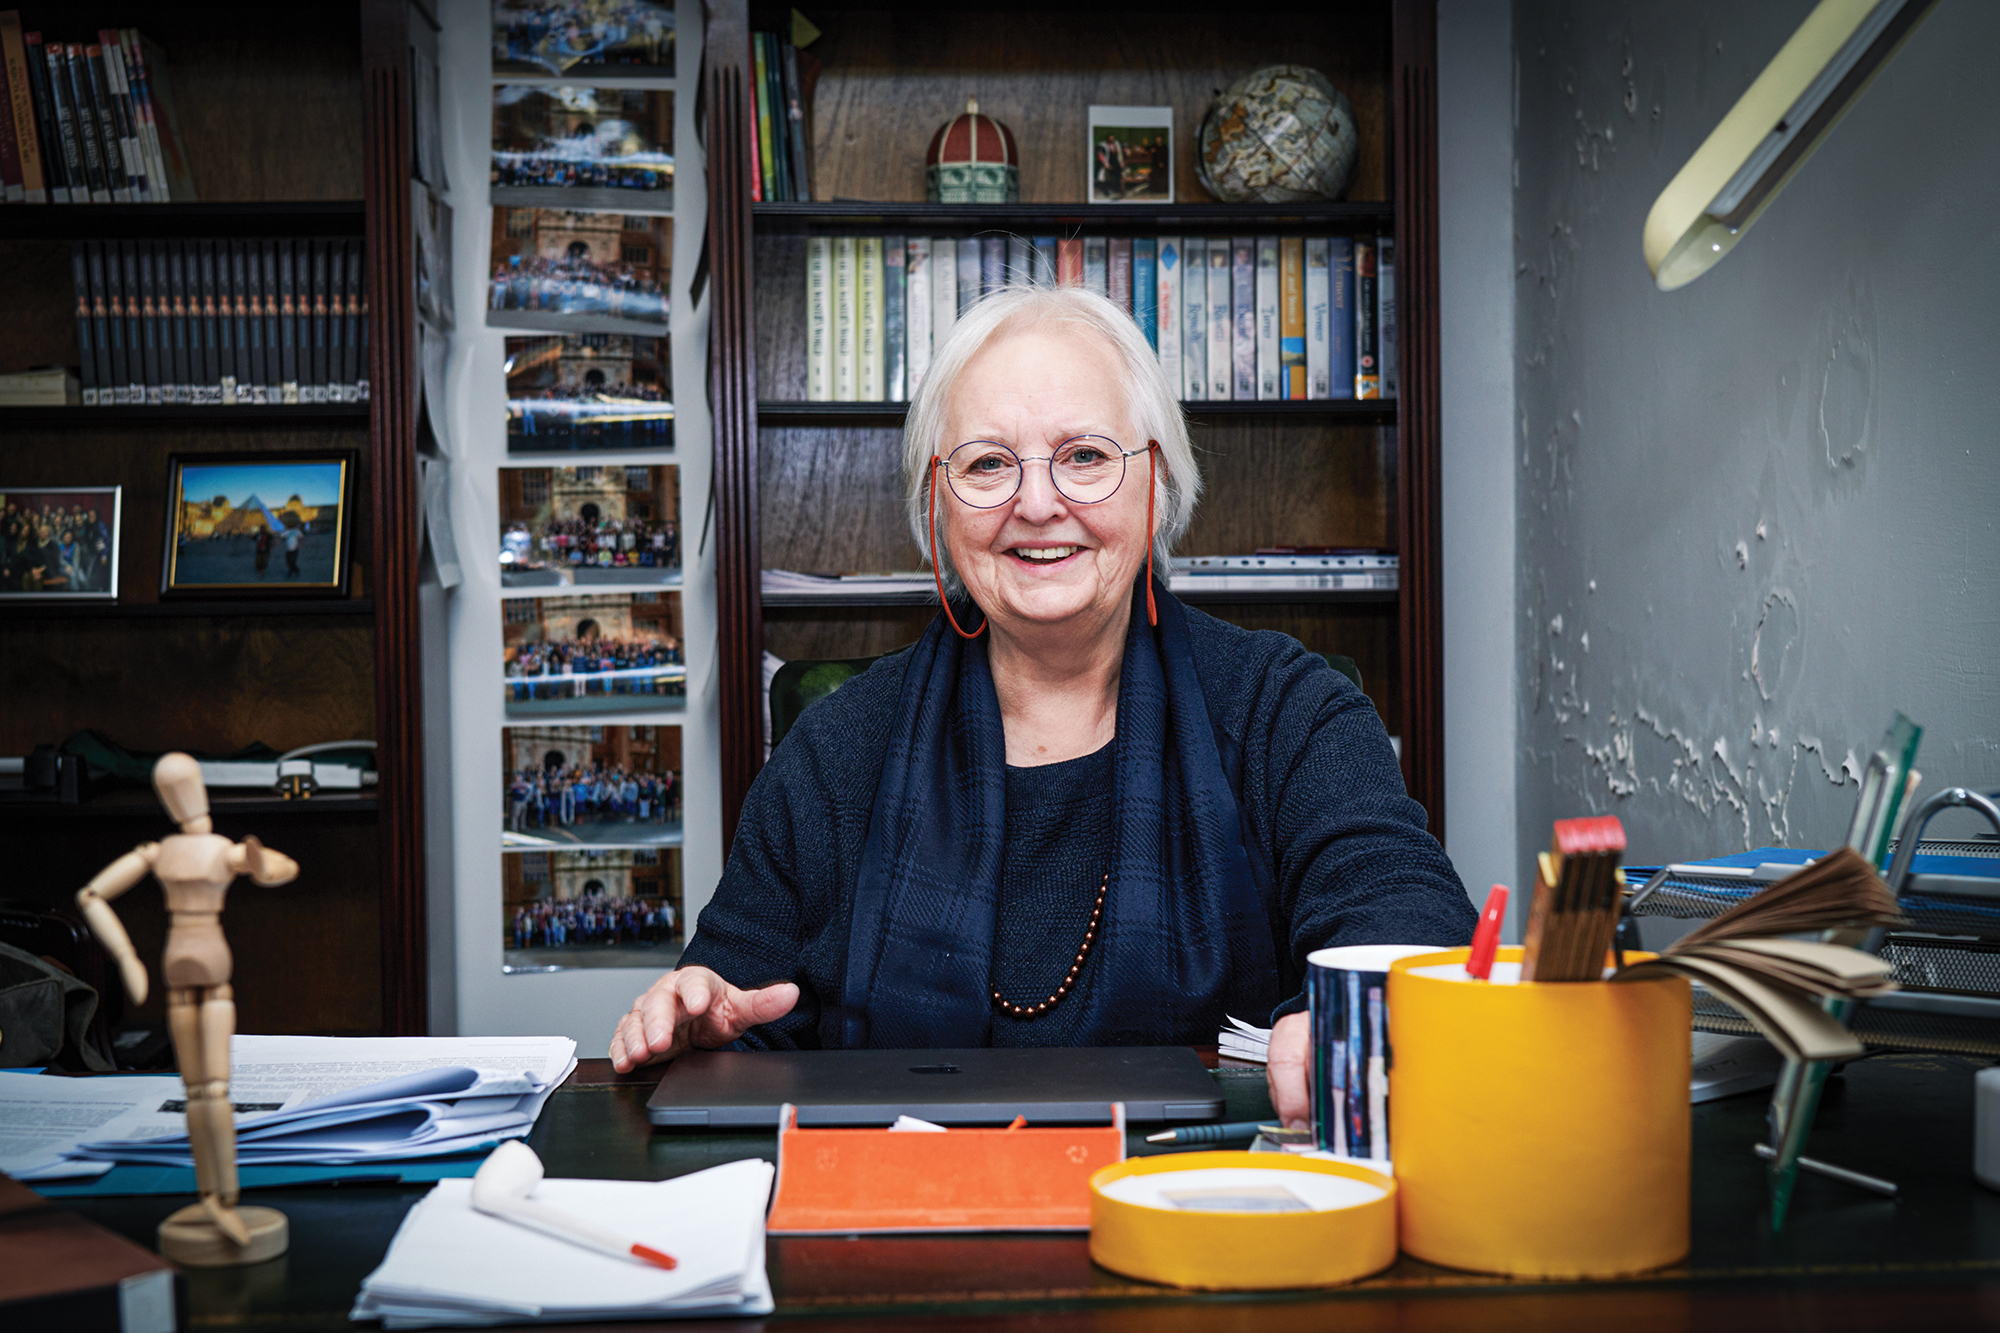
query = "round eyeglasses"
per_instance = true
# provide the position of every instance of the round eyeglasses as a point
(1085, 469)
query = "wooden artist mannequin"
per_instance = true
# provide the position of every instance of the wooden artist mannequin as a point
(195, 868)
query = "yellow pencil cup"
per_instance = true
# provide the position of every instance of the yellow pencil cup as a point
(1540, 1129)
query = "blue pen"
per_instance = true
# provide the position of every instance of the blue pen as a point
(1238, 1131)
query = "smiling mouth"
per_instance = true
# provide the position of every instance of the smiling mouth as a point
(1044, 555)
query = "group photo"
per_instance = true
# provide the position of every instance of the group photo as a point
(588, 391)
(591, 785)
(59, 543)
(631, 36)
(611, 907)
(589, 525)
(607, 147)
(593, 654)
(571, 269)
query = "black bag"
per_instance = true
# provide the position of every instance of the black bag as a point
(44, 1014)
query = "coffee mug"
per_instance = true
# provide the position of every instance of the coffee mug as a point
(1347, 992)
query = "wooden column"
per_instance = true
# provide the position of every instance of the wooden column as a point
(393, 378)
(1414, 82)
(728, 91)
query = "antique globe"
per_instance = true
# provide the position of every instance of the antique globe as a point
(1278, 135)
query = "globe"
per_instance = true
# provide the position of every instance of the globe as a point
(1277, 135)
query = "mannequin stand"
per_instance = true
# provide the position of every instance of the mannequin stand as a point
(192, 1240)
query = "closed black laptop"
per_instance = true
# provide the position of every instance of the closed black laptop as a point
(981, 1086)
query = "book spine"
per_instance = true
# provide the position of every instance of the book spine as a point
(66, 143)
(149, 322)
(178, 319)
(143, 115)
(846, 353)
(263, 264)
(90, 141)
(970, 287)
(1221, 321)
(1385, 315)
(1269, 293)
(11, 189)
(1317, 312)
(110, 130)
(201, 356)
(781, 158)
(350, 343)
(319, 344)
(1118, 271)
(135, 335)
(819, 323)
(1045, 261)
(230, 323)
(1243, 334)
(1146, 289)
(1020, 262)
(178, 179)
(291, 321)
(110, 337)
(868, 385)
(917, 306)
(1097, 265)
(361, 380)
(992, 264)
(50, 138)
(86, 325)
(944, 290)
(257, 356)
(762, 182)
(1194, 319)
(336, 272)
(1367, 371)
(795, 118)
(21, 103)
(1292, 318)
(895, 340)
(1069, 262)
(126, 114)
(1340, 316)
(1168, 308)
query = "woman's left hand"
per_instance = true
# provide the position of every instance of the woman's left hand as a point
(1286, 1071)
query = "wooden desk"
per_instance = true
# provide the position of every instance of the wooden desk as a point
(1848, 1260)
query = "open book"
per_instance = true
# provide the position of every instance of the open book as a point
(1779, 984)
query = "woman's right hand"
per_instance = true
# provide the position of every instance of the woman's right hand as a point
(692, 1007)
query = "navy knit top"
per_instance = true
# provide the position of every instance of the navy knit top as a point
(1325, 812)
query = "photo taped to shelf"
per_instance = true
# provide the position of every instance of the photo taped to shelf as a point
(628, 37)
(566, 146)
(271, 524)
(578, 656)
(578, 785)
(1131, 154)
(588, 391)
(579, 271)
(59, 543)
(608, 526)
(591, 907)
(430, 228)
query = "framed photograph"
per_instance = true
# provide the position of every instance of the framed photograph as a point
(578, 526)
(568, 785)
(591, 907)
(59, 543)
(578, 271)
(277, 525)
(576, 656)
(582, 393)
(1131, 155)
(630, 38)
(558, 146)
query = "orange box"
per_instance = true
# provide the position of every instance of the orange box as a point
(1017, 1179)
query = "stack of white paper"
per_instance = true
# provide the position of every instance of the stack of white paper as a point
(1245, 1041)
(451, 1265)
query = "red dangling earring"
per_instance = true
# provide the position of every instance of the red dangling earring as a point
(937, 573)
(1152, 611)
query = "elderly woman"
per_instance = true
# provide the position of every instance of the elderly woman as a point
(1075, 812)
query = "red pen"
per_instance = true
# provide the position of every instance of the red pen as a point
(1486, 939)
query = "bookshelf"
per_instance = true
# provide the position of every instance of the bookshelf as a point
(295, 121)
(814, 485)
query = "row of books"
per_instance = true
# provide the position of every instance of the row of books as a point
(781, 165)
(88, 122)
(1288, 569)
(229, 322)
(1248, 318)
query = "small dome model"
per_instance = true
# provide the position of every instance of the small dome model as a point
(1278, 135)
(973, 160)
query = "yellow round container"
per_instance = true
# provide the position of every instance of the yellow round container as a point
(1242, 1251)
(1540, 1130)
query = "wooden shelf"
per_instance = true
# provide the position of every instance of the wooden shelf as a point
(793, 413)
(138, 803)
(248, 607)
(1072, 219)
(67, 222)
(266, 414)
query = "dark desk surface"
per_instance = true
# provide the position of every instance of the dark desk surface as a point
(1848, 1259)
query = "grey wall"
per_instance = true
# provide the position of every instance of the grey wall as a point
(1757, 515)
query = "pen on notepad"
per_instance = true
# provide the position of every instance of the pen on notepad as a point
(501, 1186)
(1234, 1132)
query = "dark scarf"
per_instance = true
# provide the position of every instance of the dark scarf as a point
(1188, 936)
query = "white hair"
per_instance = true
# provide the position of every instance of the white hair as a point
(1153, 404)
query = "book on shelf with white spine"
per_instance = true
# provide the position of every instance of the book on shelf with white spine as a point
(1020, 262)
(917, 310)
(846, 328)
(944, 290)
(1267, 319)
(895, 336)
(1097, 265)
(1167, 310)
(1318, 314)
(819, 321)
(1221, 322)
(868, 314)
(1194, 319)
(969, 284)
